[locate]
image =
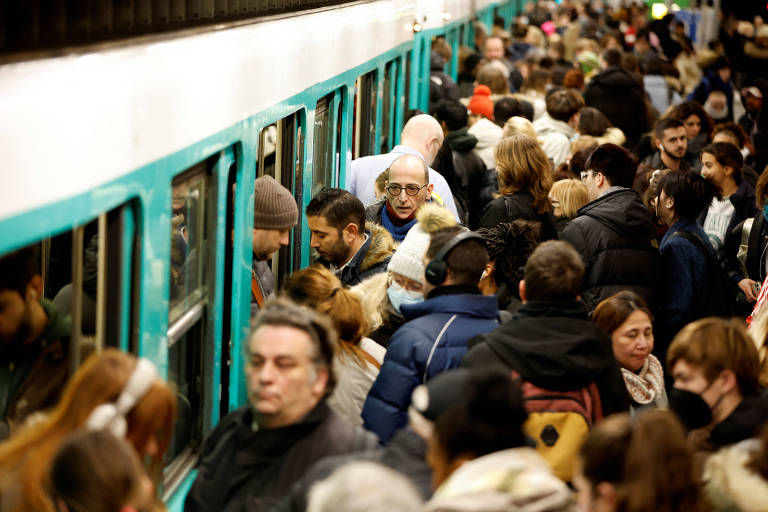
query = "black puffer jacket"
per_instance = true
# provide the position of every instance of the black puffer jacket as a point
(613, 235)
(518, 206)
(616, 93)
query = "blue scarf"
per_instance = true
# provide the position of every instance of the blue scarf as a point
(398, 232)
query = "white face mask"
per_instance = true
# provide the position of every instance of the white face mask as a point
(399, 296)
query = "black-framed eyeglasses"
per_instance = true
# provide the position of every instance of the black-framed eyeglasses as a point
(411, 190)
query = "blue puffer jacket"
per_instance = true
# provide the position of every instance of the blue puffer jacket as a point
(433, 339)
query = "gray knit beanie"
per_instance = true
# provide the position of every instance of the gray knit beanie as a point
(274, 206)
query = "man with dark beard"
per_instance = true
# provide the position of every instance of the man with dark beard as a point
(274, 214)
(348, 246)
(34, 342)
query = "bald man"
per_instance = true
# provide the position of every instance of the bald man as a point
(422, 137)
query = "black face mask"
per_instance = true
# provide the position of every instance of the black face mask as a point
(692, 410)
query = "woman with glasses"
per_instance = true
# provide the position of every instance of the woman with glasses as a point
(525, 178)
(402, 283)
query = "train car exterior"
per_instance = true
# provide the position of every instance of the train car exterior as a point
(128, 152)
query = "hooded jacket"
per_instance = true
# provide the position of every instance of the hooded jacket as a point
(470, 171)
(516, 479)
(618, 95)
(555, 137)
(488, 134)
(554, 346)
(441, 86)
(613, 236)
(242, 469)
(730, 484)
(372, 258)
(433, 339)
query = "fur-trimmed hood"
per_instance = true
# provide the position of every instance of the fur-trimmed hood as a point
(381, 248)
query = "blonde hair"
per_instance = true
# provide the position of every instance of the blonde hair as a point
(572, 195)
(522, 165)
(100, 380)
(517, 125)
(583, 142)
(317, 288)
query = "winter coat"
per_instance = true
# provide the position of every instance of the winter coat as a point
(518, 206)
(616, 93)
(743, 201)
(613, 236)
(265, 280)
(554, 346)
(517, 479)
(354, 381)
(242, 469)
(756, 250)
(683, 284)
(488, 134)
(470, 171)
(406, 454)
(729, 484)
(372, 258)
(611, 136)
(441, 86)
(555, 137)
(432, 340)
(660, 93)
(33, 376)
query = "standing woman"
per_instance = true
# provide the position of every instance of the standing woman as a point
(721, 162)
(105, 377)
(684, 283)
(358, 359)
(525, 178)
(626, 318)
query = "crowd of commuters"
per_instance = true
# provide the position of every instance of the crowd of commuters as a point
(547, 296)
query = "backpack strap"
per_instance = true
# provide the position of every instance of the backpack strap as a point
(695, 240)
(741, 255)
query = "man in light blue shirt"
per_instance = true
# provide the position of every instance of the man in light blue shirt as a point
(422, 136)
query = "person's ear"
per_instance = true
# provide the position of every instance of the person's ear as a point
(320, 383)
(728, 170)
(521, 289)
(606, 493)
(35, 288)
(729, 382)
(349, 233)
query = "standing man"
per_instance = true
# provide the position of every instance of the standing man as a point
(406, 189)
(422, 136)
(434, 337)
(351, 248)
(256, 453)
(274, 214)
(612, 232)
(670, 139)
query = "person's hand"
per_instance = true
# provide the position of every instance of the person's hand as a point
(748, 287)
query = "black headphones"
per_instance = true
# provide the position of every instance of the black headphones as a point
(437, 270)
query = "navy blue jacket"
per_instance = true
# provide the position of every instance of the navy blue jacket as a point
(433, 339)
(684, 285)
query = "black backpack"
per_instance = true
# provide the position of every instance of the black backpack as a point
(723, 295)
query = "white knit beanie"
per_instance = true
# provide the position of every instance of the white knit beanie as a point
(408, 258)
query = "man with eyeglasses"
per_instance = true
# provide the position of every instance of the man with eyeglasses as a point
(422, 136)
(613, 232)
(406, 189)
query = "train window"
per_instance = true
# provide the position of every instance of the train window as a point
(67, 276)
(366, 92)
(407, 88)
(188, 233)
(387, 108)
(282, 157)
(323, 159)
(193, 228)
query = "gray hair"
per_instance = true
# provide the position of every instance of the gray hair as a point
(357, 487)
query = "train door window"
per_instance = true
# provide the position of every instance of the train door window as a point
(408, 64)
(287, 168)
(387, 108)
(323, 149)
(193, 228)
(67, 276)
(366, 89)
(340, 133)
